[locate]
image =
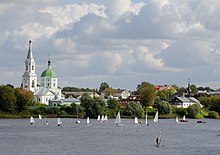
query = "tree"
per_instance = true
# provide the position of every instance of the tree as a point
(134, 109)
(103, 86)
(166, 93)
(147, 93)
(163, 107)
(7, 99)
(194, 89)
(113, 104)
(24, 98)
(193, 110)
(92, 106)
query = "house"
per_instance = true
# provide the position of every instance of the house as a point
(184, 102)
(117, 94)
(79, 94)
(133, 98)
(66, 101)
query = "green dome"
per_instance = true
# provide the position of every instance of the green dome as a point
(49, 73)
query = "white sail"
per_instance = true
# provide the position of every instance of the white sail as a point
(59, 122)
(156, 118)
(98, 118)
(102, 118)
(31, 120)
(184, 117)
(135, 120)
(106, 118)
(177, 119)
(40, 118)
(118, 119)
(88, 121)
(146, 120)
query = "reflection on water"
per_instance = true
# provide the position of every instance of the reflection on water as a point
(19, 137)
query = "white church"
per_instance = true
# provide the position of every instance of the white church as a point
(47, 89)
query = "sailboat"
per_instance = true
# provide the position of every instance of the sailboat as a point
(59, 122)
(77, 121)
(146, 123)
(102, 118)
(118, 120)
(158, 139)
(106, 118)
(184, 119)
(177, 119)
(31, 120)
(135, 120)
(88, 121)
(40, 118)
(45, 120)
(98, 118)
(156, 118)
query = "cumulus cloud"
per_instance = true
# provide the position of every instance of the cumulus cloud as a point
(112, 40)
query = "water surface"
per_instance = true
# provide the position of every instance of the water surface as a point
(18, 137)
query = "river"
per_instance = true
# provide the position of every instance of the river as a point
(18, 137)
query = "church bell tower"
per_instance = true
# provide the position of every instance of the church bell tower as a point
(29, 78)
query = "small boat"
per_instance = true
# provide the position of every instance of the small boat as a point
(31, 120)
(102, 118)
(177, 119)
(156, 120)
(184, 119)
(98, 119)
(200, 121)
(118, 120)
(39, 116)
(146, 122)
(106, 118)
(59, 122)
(88, 121)
(135, 120)
(158, 139)
(45, 120)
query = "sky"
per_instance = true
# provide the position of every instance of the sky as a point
(121, 42)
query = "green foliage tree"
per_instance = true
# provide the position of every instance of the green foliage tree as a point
(92, 106)
(113, 103)
(103, 86)
(112, 107)
(193, 111)
(166, 93)
(7, 99)
(194, 89)
(134, 109)
(213, 114)
(24, 98)
(164, 107)
(147, 93)
(212, 103)
(179, 111)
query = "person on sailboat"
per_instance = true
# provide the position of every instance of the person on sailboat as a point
(157, 141)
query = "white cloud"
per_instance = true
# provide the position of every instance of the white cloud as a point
(114, 39)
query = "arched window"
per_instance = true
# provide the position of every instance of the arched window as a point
(32, 67)
(32, 85)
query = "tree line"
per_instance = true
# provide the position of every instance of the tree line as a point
(18, 101)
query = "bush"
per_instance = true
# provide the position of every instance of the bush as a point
(213, 114)
(164, 107)
(194, 111)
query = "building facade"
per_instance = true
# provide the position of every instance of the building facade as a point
(48, 88)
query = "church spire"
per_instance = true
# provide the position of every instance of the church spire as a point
(30, 55)
(49, 63)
